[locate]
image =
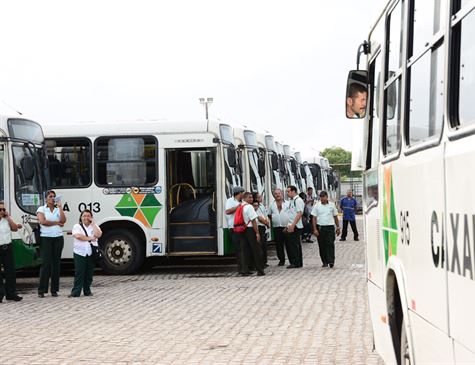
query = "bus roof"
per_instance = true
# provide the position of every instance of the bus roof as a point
(127, 127)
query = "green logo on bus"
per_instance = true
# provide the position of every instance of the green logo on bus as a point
(143, 207)
(390, 232)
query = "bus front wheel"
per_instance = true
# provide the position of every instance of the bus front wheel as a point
(123, 252)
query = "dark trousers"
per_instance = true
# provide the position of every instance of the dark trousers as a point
(50, 250)
(280, 239)
(235, 239)
(326, 244)
(83, 271)
(263, 243)
(6, 260)
(345, 229)
(251, 251)
(293, 245)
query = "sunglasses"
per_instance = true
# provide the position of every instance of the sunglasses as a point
(3, 210)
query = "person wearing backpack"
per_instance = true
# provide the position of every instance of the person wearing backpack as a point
(245, 224)
(85, 234)
(231, 206)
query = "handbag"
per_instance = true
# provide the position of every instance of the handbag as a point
(97, 253)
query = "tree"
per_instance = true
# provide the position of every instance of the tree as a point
(339, 159)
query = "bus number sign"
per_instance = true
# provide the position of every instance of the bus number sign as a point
(93, 207)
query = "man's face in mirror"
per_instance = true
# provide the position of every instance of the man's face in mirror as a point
(356, 101)
(356, 106)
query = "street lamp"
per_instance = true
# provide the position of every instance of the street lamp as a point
(206, 102)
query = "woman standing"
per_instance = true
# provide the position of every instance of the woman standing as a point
(85, 234)
(6, 256)
(51, 217)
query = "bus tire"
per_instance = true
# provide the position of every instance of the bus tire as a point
(123, 252)
(405, 352)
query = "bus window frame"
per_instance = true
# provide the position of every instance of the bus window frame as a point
(372, 99)
(387, 82)
(455, 130)
(436, 42)
(91, 161)
(126, 137)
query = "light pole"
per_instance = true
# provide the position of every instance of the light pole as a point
(206, 102)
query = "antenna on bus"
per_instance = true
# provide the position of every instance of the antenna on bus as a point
(8, 105)
(363, 48)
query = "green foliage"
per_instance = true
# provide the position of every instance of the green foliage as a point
(339, 159)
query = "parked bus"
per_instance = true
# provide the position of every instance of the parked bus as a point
(157, 188)
(417, 152)
(22, 181)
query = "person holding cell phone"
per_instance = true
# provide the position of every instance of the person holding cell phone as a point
(51, 217)
(7, 226)
(85, 234)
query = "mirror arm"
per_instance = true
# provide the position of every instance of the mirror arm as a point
(363, 48)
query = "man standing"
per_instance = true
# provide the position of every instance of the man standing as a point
(262, 223)
(294, 227)
(250, 246)
(278, 216)
(325, 218)
(231, 206)
(348, 206)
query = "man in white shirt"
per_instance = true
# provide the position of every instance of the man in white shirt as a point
(279, 218)
(6, 256)
(294, 228)
(325, 218)
(231, 206)
(251, 250)
(262, 224)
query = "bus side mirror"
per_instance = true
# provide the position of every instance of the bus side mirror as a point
(356, 94)
(303, 173)
(293, 167)
(231, 151)
(274, 162)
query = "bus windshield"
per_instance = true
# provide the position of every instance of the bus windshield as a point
(29, 176)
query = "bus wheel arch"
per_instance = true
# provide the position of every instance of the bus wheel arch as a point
(397, 320)
(124, 244)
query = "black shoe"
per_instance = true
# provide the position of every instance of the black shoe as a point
(291, 267)
(266, 265)
(15, 298)
(281, 263)
(54, 294)
(1, 299)
(342, 239)
(41, 295)
(331, 265)
(261, 273)
(325, 265)
(88, 294)
(356, 239)
(73, 296)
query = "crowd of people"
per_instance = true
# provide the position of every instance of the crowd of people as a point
(293, 221)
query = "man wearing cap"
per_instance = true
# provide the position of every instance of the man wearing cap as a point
(294, 227)
(324, 220)
(231, 206)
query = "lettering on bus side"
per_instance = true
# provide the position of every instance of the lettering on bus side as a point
(460, 260)
(93, 207)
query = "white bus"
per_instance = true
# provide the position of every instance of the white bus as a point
(22, 181)
(157, 188)
(418, 152)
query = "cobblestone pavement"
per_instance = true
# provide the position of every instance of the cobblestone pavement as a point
(200, 315)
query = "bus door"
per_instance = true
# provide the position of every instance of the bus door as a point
(191, 201)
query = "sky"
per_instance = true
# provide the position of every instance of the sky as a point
(278, 66)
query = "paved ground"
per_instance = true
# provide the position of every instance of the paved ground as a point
(199, 315)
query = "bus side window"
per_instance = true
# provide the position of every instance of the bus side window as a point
(69, 162)
(392, 88)
(372, 158)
